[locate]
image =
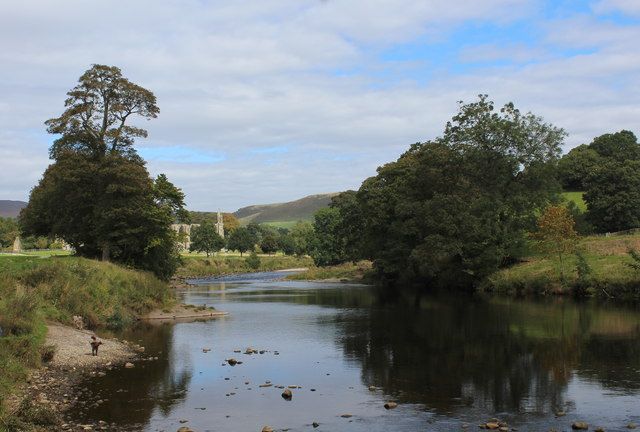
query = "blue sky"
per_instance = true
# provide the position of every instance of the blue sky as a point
(270, 100)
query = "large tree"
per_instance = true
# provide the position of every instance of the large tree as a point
(613, 196)
(241, 240)
(450, 211)
(205, 238)
(97, 112)
(97, 194)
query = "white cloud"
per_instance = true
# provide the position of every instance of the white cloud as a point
(231, 78)
(626, 6)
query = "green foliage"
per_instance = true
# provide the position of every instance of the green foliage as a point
(8, 232)
(223, 265)
(303, 237)
(450, 211)
(607, 170)
(98, 195)
(94, 122)
(241, 240)
(253, 260)
(556, 235)
(635, 256)
(204, 238)
(575, 166)
(613, 196)
(269, 243)
(585, 273)
(352, 272)
(287, 244)
(328, 246)
(619, 146)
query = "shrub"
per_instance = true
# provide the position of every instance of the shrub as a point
(253, 261)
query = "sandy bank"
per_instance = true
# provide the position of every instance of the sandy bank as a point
(183, 312)
(73, 349)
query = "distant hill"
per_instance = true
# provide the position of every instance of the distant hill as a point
(11, 208)
(302, 209)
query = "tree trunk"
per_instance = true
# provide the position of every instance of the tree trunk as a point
(105, 252)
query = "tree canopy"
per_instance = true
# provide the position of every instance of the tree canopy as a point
(97, 111)
(97, 194)
(450, 211)
(241, 240)
(607, 171)
(205, 238)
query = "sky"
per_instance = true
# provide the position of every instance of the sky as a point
(267, 101)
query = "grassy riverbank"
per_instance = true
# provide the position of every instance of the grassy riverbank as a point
(347, 272)
(609, 272)
(200, 266)
(34, 290)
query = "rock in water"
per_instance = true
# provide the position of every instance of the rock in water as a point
(390, 405)
(185, 429)
(267, 429)
(232, 362)
(315, 424)
(579, 425)
(129, 365)
(286, 394)
(632, 426)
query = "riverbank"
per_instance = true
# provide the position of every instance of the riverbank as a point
(47, 398)
(359, 272)
(35, 291)
(605, 272)
(222, 265)
(183, 312)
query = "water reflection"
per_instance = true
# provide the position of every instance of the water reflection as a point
(445, 359)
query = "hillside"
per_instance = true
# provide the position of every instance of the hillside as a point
(11, 208)
(302, 209)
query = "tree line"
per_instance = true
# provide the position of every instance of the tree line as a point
(447, 212)
(453, 210)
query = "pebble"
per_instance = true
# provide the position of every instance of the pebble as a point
(390, 405)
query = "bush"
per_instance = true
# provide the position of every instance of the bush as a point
(253, 261)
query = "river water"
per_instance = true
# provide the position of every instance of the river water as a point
(445, 360)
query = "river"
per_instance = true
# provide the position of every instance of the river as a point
(446, 360)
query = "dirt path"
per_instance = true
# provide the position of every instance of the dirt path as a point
(73, 349)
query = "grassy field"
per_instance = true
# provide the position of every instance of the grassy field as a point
(39, 253)
(200, 266)
(576, 197)
(282, 224)
(608, 261)
(35, 289)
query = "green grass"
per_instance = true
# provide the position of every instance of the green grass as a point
(42, 253)
(282, 224)
(352, 272)
(576, 197)
(607, 257)
(199, 266)
(35, 289)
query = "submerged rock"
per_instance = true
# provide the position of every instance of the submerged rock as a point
(287, 395)
(579, 425)
(390, 405)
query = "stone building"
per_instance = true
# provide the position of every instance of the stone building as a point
(184, 231)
